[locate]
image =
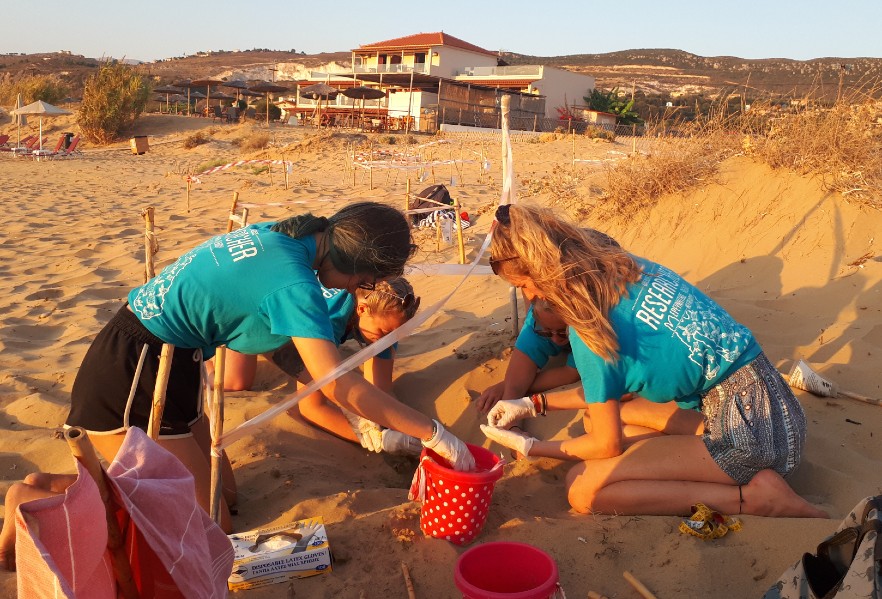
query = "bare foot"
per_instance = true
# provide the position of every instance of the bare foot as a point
(769, 495)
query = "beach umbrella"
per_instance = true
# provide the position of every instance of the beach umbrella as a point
(41, 109)
(267, 88)
(237, 84)
(185, 84)
(364, 93)
(318, 92)
(207, 82)
(167, 90)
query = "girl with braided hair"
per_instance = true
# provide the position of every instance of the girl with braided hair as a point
(364, 316)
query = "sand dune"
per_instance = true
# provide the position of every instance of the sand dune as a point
(800, 267)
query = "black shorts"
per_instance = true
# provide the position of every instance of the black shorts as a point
(103, 384)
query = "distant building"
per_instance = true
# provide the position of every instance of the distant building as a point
(435, 78)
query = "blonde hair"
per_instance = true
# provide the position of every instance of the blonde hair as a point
(582, 277)
(390, 297)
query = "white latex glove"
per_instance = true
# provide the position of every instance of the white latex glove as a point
(398, 443)
(451, 449)
(508, 411)
(511, 439)
(369, 434)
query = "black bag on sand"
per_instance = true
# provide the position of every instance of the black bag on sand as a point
(847, 565)
(437, 193)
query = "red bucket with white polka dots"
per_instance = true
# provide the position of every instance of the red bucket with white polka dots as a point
(455, 504)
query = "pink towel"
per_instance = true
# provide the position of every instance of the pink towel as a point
(176, 550)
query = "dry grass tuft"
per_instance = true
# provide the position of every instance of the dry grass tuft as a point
(195, 139)
(254, 141)
(561, 187)
(842, 145)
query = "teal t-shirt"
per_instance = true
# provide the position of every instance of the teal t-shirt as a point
(251, 290)
(538, 348)
(341, 305)
(675, 343)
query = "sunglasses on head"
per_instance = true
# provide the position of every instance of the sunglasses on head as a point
(549, 333)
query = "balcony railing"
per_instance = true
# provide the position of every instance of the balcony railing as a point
(510, 71)
(420, 67)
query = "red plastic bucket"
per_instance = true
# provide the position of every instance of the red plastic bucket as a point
(503, 570)
(455, 504)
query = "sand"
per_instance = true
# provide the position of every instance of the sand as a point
(799, 266)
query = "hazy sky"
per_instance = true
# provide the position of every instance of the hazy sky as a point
(149, 30)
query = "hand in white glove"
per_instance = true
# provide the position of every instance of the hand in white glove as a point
(369, 434)
(451, 449)
(508, 411)
(516, 441)
(398, 443)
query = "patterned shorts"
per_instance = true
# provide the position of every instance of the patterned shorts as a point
(752, 421)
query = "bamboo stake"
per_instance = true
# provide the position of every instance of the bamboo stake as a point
(82, 449)
(188, 193)
(216, 426)
(285, 166)
(411, 594)
(371, 169)
(150, 246)
(638, 586)
(165, 359)
(407, 196)
(233, 207)
(437, 233)
(459, 231)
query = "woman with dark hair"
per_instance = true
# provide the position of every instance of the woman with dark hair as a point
(637, 327)
(252, 290)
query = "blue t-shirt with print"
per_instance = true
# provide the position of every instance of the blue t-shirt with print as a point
(675, 343)
(538, 348)
(251, 290)
(341, 305)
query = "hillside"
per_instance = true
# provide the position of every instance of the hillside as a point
(651, 71)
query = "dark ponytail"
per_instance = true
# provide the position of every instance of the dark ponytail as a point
(363, 238)
(301, 225)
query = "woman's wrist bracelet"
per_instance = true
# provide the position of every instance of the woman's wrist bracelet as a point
(540, 404)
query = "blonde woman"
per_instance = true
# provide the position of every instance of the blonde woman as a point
(637, 327)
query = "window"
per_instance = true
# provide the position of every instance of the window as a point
(419, 58)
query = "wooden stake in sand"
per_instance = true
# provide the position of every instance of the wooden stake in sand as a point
(150, 244)
(165, 359)
(216, 427)
(408, 583)
(82, 449)
(285, 166)
(459, 230)
(407, 196)
(189, 183)
(638, 586)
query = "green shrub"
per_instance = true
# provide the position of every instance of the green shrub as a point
(32, 88)
(275, 113)
(210, 164)
(113, 98)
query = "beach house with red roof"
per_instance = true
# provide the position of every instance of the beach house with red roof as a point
(441, 55)
(432, 79)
